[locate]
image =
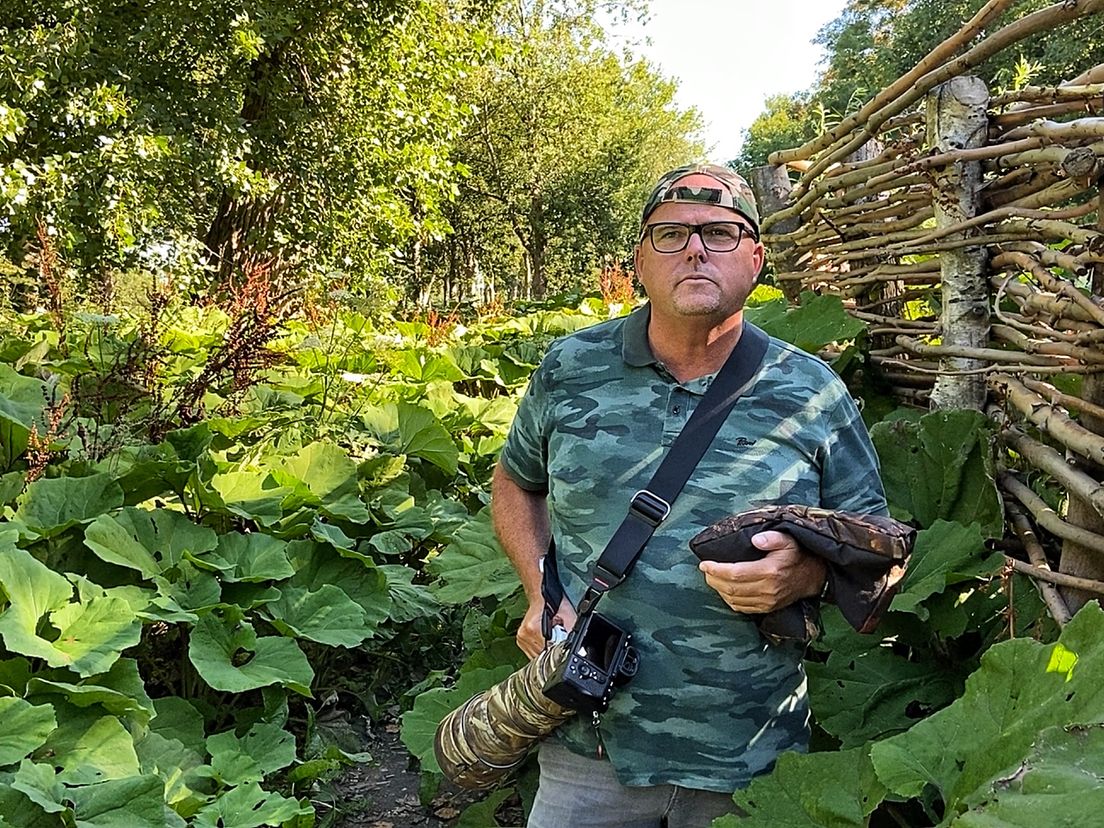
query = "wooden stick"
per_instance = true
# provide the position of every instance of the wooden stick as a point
(1052, 420)
(1049, 593)
(1047, 459)
(1052, 94)
(985, 354)
(1035, 346)
(1059, 578)
(1047, 517)
(1056, 397)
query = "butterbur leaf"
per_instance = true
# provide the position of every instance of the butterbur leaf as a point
(408, 600)
(1021, 688)
(248, 806)
(25, 728)
(838, 788)
(251, 494)
(327, 616)
(148, 541)
(89, 748)
(330, 476)
(40, 785)
(49, 506)
(119, 691)
(941, 467)
(473, 565)
(120, 803)
(943, 555)
(229, 656)
(816, 322)
(265, 749)
(414, 431)
(178, 719)
(1058, 783)
(253, 558)
(318, 566)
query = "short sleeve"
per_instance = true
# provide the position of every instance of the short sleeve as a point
(850, 480)
(525, 453)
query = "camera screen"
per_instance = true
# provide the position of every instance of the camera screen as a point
(600, 643)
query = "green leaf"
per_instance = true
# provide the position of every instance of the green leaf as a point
(148, 541)
(941, 468)
(834, 789)
(251, 494)
(1058, 783)
(414, 431)
(816, 322)
(408, 600)
(419, 725)
(318, 566)
(327, 616)
(944, 554)
(229, 656)
(473, 565)
(49, 506)
(26, 727)
(326, 471)
(248, 806)
(40, 785)
(22, 401)
(252, 558)
(482, 814)
(1021, 688)
(119, 691)
(263, 750)
(178, 719)
(90, 748)
(120, 803)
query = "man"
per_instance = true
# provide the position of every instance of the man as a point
(712, 704)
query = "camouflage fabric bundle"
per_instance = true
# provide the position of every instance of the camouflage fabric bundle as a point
(866, 557)
(491, 733)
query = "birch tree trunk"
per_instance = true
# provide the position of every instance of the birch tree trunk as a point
(772, 187)
(956, 119)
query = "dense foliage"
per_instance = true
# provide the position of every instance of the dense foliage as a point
(874, 42)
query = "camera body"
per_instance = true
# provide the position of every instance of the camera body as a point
(600, 657)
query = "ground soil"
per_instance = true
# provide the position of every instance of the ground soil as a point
(383, 793)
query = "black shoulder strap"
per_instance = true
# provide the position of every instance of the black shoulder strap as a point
(651, 505)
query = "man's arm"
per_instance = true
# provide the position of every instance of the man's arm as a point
(521, 523)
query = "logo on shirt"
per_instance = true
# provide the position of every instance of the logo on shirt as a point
(744, 442)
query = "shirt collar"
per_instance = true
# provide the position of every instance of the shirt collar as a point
(635, 349)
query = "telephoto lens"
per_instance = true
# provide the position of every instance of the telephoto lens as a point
(491, 733)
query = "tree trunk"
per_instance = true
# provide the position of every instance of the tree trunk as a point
(772, 189)
(957, 119)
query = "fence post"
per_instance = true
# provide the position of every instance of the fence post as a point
(957, 119)
(772, 187)
(1076, 559)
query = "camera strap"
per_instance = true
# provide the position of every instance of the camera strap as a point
(650, 506)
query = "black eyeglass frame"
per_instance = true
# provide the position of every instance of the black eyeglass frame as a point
(744, 230)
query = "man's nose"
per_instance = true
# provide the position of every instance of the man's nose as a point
(695, 245)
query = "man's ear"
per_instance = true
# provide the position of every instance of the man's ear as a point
(759, 257)
(636, 262)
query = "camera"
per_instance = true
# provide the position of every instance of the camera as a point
(600, 657)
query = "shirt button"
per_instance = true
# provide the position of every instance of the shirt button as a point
(677, 409)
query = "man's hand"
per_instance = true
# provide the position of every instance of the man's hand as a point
(783, 575)
(529, 636)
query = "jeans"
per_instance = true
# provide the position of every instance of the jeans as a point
(579, 792)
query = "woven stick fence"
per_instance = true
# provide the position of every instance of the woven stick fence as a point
(989, 207)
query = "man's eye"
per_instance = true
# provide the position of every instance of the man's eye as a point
(721, 232)
(669, 233)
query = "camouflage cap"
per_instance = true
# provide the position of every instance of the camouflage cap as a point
(734, 192)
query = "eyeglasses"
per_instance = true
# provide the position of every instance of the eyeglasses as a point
(717, 236)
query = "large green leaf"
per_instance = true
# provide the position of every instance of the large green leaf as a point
(419, 725)
(817, 790)
(39, 784)
(816, 322)
(89, 748)
(326, 615)
(121, 803)
(248, 806)
(90, 635)
(473, 565)
(22, 401)
(1021, 688)
(178, 719)
(944, 554)
(146, 540)
(25, 729)
(414, 431)
(318, 566)
(1057, 784)
(49, 506)
(228, 654)
(265, 749)
(866, 690)
(941, 467)
(330, 478)
(408, 600)
(252, 558)
(251, 494)
(119, 691)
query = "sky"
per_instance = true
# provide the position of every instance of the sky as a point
(767, 52)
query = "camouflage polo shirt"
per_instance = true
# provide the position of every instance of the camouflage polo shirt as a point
(712, 704)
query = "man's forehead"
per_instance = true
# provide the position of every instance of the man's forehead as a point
(693, 211)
